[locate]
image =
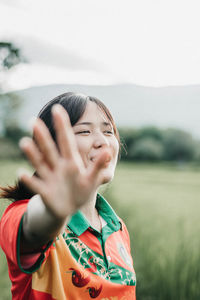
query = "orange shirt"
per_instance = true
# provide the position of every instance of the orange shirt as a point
(79, 264)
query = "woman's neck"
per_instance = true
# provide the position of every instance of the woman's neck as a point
(90, 212)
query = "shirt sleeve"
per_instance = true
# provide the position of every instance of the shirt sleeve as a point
(10, 233)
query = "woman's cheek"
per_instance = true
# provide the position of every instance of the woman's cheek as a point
(107, 175)
(116, 149)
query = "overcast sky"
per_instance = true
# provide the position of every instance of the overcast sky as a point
(145, 42)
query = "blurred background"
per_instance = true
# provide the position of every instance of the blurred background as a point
(142, 59)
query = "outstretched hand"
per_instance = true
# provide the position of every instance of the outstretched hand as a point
(64, 183)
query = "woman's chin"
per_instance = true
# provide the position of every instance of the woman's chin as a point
(107, 176)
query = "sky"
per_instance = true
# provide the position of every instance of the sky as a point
(144, 42)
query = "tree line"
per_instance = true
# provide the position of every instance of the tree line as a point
(142, 144)
(155, 144)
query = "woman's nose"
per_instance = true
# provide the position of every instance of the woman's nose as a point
(100, 140)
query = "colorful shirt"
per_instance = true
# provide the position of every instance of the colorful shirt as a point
(79, 264)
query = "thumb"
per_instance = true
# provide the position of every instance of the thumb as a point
(101, 163)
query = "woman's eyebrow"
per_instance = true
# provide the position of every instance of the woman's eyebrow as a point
(90, 123)
(83, 123)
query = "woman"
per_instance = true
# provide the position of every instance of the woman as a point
(61, 238)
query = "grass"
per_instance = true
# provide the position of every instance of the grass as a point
(160, 206)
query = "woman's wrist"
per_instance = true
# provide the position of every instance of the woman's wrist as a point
(39, 223)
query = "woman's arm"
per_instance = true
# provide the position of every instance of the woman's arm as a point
(39, 226)
(63, 183)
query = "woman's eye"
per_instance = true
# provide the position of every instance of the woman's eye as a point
(83, 131)
(108, 132)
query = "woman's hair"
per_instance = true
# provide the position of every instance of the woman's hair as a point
(75, 104)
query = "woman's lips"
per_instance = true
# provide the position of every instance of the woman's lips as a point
(93, 159)
(106, 162)
(108, 157)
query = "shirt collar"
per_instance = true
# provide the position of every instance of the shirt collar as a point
(79, 223)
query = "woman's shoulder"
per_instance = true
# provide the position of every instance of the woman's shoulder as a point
(9, 227)
(13, 214)
(20, 204)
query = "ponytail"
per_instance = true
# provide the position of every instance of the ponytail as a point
(17, 192)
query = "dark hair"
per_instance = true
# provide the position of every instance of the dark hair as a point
(75, 104)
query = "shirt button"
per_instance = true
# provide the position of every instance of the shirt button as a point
(109, 258)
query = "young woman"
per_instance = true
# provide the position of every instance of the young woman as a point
(61, 238)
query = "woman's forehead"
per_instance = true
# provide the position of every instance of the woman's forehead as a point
(94, 113)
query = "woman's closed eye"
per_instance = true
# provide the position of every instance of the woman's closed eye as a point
(88, 132)
(108, 132)
(83, 131)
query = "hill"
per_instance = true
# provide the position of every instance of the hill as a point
(131, 105)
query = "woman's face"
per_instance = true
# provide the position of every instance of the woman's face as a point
(93, 132)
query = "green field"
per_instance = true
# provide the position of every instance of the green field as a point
(160, 206)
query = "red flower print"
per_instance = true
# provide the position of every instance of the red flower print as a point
(94, 292)
(78, 279)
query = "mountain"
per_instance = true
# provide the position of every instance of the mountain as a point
(131, 105)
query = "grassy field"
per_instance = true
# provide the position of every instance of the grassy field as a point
(160, 206)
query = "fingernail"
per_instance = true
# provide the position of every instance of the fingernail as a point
(56, 108)
(22, 171)
(31, 123)
(23, 142)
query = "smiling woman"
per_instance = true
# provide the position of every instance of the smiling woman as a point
(61, 238)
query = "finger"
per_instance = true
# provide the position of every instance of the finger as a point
(64, 133)
(32, 182)
(45, 143)
(34, 156)
(94, 174)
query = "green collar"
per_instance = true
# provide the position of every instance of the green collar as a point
(79, 224)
